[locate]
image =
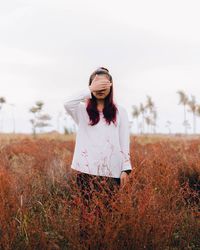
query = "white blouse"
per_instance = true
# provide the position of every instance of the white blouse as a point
(100, 149)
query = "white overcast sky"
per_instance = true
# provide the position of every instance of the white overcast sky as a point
(49, 48)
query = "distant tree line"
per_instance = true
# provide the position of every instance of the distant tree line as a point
(148, 114)
(145, 115)
(193, 107)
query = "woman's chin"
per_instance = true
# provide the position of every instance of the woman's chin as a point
(100, 97)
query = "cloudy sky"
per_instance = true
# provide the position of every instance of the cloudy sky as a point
(49, 48)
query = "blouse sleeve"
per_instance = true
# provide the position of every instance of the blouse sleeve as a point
(72, 103)
(124, 138)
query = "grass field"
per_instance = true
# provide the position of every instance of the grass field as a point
(40, 205)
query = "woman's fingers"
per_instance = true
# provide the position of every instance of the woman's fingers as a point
(105, 83)
(100, 84)
(123, 179)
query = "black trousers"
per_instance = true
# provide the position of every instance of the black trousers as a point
(91, 186)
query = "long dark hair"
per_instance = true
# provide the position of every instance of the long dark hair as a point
(110, 108)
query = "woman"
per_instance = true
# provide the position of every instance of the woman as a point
(102, 142)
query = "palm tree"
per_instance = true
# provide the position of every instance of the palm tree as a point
(187, 125)
(40, 120)
(154, 112)
(198, 109)
(142, 110)
(184, 101)
(168, 124)
(135, 114)
(193, 108)
(149, 103)
(148, 122)
(2, 102)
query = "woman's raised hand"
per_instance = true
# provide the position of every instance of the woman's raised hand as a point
(99, 83)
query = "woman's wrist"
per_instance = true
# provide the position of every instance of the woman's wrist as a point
(128, 171)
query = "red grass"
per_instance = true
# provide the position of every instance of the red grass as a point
(40, 205)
